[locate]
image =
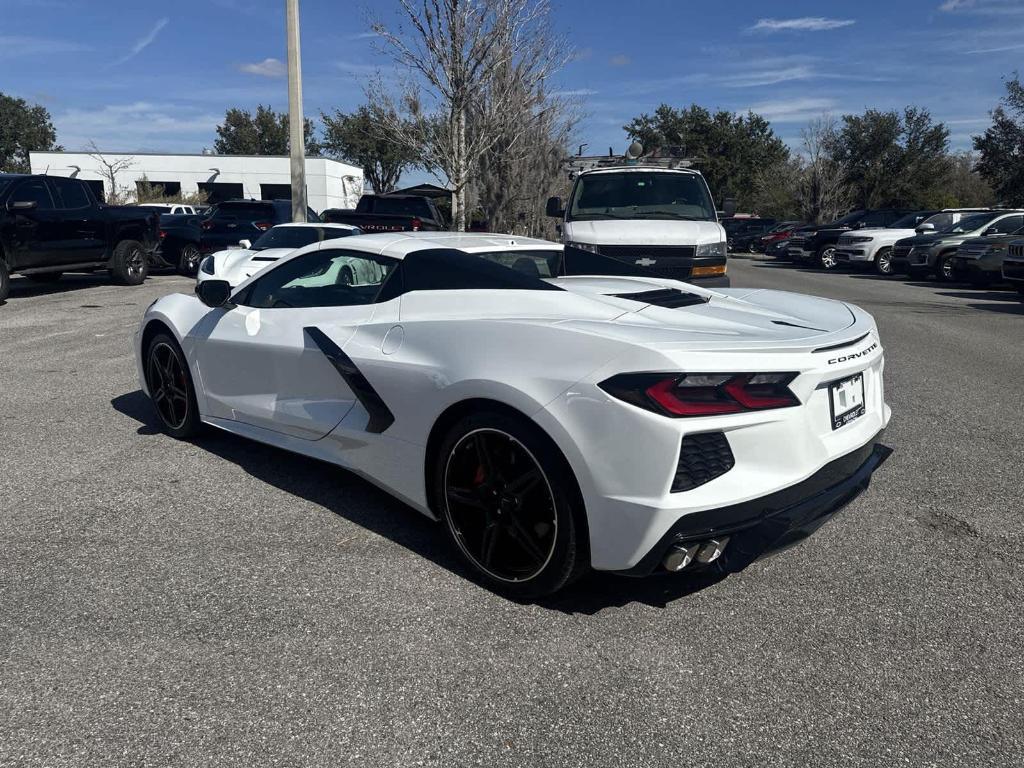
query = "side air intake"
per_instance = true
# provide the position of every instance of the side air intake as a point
(702, 458)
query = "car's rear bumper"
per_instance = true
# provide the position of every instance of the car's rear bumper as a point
(779, 520)
(860, 255)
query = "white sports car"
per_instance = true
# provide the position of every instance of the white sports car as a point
(237, 265)
(558, 411)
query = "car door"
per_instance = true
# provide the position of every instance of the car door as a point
(36, 232)
(271, 361)
(81, 225)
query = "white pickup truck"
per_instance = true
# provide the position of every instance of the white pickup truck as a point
(661, 219)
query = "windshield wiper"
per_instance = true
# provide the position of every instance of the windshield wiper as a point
(667, 215)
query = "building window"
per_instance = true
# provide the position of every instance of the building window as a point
(218, 192)
(275, 191)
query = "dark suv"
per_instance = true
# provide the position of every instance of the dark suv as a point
(817, 244)
(235, 220)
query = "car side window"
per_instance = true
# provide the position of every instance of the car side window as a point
(331, 277)
(70, 193)
(33, 191)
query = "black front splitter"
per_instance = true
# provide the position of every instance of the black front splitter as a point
(779, 520)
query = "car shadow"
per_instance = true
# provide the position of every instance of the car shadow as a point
(23, 287)
(359, 501)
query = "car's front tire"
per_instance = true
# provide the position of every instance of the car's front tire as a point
(510, 505)
(170, 387)
(944, 268)
(883, 262)
(5, 280)
(188, 260)
(827, 257)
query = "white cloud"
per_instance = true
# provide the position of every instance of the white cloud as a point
(144, 42)
(999, 49)
(803, 24)
(575, 92)
(269, 67)
(793, 110)
(18, 46)
(619, 60)
(140, 126)
(987, 7)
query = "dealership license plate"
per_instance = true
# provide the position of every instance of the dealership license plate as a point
(846, 400)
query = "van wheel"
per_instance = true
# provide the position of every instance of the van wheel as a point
(129, 265)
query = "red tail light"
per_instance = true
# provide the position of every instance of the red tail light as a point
(263, 226)
(162, 234)
(703, 394)
(416, 224)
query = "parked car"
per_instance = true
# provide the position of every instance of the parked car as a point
(658, 218)
(782, 231)
(933, 253)
(817, 244)
(390, 213)
(171, 208)
(239, 264)
(180, 240)
(867, 247)
(235, 220)
(51, 224)
(747, 236)
(779, 249)
(1013, 266)
(553, 410)
(979, 260)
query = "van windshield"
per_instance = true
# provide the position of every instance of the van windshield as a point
(641, 195)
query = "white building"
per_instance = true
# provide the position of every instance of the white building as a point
(329, 184)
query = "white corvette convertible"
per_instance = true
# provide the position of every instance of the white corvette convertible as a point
(557, 411)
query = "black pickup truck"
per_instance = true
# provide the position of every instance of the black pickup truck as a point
(51, 224)
(390, 213)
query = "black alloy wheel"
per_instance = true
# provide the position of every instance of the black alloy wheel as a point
(944, 269)
(170, 387)
(500, 506)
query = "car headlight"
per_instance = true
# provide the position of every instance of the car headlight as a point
(856, 239)
(590, 247)
(711, 250)
(207, 266)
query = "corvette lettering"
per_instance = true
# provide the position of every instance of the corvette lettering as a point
(853, 356)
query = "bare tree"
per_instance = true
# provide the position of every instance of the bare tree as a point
(822, 192)
(109, 171)
(458, 55)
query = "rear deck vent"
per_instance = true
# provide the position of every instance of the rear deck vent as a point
(664, 297)
(702, 458)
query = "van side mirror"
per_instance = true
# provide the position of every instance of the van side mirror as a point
(729, 207)
(554, 208)
(215, 293)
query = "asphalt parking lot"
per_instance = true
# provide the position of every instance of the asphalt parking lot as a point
(225, 604)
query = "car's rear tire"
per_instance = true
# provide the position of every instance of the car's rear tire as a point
(188, 260)
(45, 278)
(130, 265)
(883, 262)
(827, 257)
(5, 280)
(510, 505)
(170, 387)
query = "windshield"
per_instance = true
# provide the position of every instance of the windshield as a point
(971, 223)
(641, 195)
(850, 218)
(297, 237)
(909, 221)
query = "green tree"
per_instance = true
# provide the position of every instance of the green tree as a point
(24, 128)
(362, 138)
(265, 133)
(894, 159)
(1002, 146)
(731, 150)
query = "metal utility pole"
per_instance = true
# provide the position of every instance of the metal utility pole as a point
(296, 121)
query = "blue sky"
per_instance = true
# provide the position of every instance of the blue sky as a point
(157, 76)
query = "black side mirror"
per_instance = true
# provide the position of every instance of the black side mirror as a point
(554, 208)
(729, 207)
(22, 205)
(215, 293)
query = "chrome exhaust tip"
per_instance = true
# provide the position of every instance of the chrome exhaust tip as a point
(680, 556)
(711, 550)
